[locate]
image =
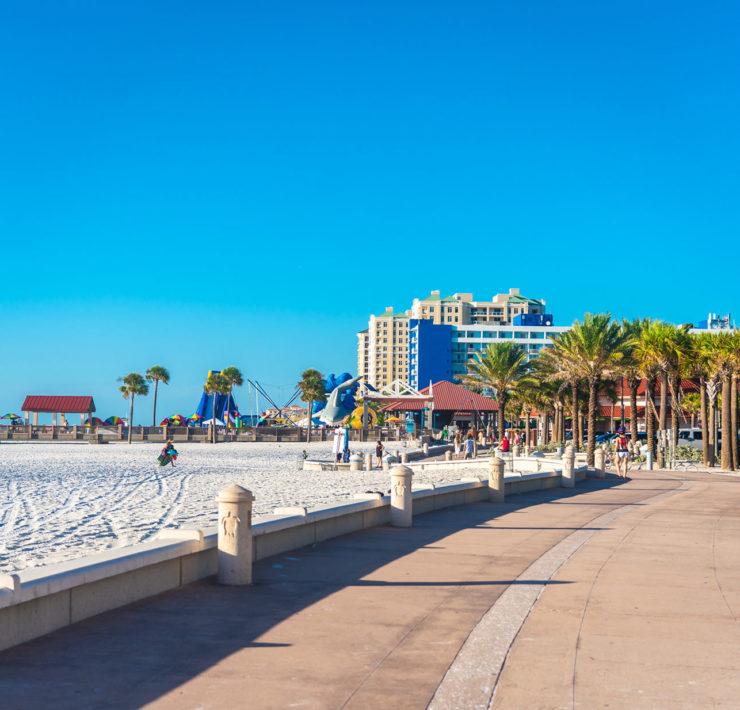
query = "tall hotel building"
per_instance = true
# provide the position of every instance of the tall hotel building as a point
(435, 338)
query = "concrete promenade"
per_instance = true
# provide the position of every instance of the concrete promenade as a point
(616, 594)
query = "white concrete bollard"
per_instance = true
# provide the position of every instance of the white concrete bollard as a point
(404, 457)
(368, 462)
(600, 463)
(515, 450)
(401, 500)
(355, 462)
(568, 477)
(448, 455)
(425, 449)
(397, 454)
(235, 535)
(388, 460)
(527, 450)
(496, 480)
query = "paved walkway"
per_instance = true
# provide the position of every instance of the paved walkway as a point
(618, 594)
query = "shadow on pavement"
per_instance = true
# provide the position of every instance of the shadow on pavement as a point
(134, 655)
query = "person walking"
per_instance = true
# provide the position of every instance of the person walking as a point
(379, 453)
(469, 446)
(622, 453)
(458, 442)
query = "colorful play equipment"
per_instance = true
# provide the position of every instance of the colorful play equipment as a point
(205, 408)
(354, 420)
(340, 400)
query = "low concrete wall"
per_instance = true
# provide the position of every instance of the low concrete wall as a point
(40, 600)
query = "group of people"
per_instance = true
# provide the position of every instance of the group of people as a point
(465, 443)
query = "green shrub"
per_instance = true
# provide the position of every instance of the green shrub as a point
(684, 452)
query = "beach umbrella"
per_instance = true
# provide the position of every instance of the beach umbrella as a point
(113, 421)
(96, 421)
(10, 416)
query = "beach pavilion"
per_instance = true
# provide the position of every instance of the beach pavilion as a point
(445, 403)
(33, 404)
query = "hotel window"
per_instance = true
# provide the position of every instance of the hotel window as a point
(504, 334)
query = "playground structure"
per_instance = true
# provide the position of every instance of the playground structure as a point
(217, 406)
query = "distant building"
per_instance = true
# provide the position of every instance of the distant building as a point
(404, 345)
(461, 309)
(382, 349)
(714, 321)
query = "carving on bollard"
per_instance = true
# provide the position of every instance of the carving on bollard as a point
(496, 493)
(235, 535)
(230, 523)
(401, 498)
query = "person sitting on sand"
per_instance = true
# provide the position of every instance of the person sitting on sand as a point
(168, 454)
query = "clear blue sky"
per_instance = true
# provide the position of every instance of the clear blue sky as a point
(241, 183)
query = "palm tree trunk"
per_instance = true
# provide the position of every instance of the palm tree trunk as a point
(727, 424)
(593, 386)
(213, 420)
(580, 427)
(526, 435)
(545, 425)
(704, 416)
(649, 417)
(632, 384)
(131, 418)
(675, 384)
(663, 399)
(154, 410)
(733, 417)
(712, 433)
(308, 428)
(574, 408)
(501, 397)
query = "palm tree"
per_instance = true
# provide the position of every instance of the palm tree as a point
(216, 384)
(157, 374)
(630, 368)
(133, 385)
(712, 383)
(499, 368)
(233, 376)
(312, 389)
(595, 350)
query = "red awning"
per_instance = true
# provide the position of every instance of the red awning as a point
(446, 397)
(54, 404)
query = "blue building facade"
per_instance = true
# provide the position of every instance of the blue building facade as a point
(532, 319)
(430, 353)
(442, 352)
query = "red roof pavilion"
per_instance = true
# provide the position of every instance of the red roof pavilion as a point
(55, 404)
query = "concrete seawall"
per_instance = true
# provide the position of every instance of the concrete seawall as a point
(40, 600)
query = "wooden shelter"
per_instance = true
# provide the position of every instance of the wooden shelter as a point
(56, 405)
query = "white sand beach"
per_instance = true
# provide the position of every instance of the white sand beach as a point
(61, 501)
